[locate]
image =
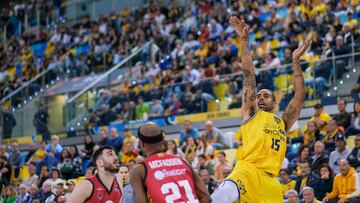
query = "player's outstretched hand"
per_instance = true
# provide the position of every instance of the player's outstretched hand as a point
(301, 50)
(241, 28)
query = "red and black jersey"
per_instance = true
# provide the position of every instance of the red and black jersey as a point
(169, 179)
(101, 194)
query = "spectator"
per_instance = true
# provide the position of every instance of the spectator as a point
(127, 111)
(215, 29)
(307, 178)
(8, 122)
(286, 183)
(5, 171)
(354, 127)
(329, 138)
(343, 118)
(203, 148)
(53, 151)
(103, 137)
(346, 186)
(157, 110)
(15, 158)
(128, 153)
(77, 162)
(311, 135)
(34, 194)
(40, 122)
(292, 196)
(199, 104)
(354, 157)
(48, 196)
(3, 151)
(190, 149)
(325, 182)
(129, 137)
(341, 49)
(33, 178)
(303, 156)
(70, 185)
(341, 152)
(107, 115)
(174, 107)
(173, 149)
(142, 109)
(203, 164)
(309, 196)
(321, 118)
(59, 191)
(115, 140)
(54, 179)
(188, 132)
(207, 180)
(31, 152)
(319, 157)
(9, 195)
(89, 145)
(213, 135)
(23, 194)
(221, 166)
(44, 175)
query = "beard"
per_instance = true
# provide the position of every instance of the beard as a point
(112, 168)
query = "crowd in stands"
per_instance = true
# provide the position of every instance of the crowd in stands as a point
(200, 45)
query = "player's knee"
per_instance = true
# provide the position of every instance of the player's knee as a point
(227, 192)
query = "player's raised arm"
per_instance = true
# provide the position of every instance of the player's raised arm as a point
(81, 192)
(249, 106)
(292, 111)
(137, 183)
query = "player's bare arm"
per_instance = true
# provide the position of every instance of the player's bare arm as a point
(292, 111)
(81, 192)
(137, 182)
(200, 189)
(249, 106)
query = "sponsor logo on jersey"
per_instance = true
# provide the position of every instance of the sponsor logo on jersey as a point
(161, 174)
(100, 195)
(165, 163)
(116, 189)
(277, 119)
(241, 187)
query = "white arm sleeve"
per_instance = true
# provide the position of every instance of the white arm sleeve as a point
(226, 187)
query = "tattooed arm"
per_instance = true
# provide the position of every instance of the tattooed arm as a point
(292, 111)
(249, 106)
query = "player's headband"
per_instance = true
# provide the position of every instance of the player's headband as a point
(151, 140)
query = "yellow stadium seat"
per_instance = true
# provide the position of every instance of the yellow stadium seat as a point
(212, 106)
(221, 90)
(275, 43)
(282, 82)
(24, 172)
(350, 141)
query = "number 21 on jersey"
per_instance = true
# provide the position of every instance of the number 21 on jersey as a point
(172, 192)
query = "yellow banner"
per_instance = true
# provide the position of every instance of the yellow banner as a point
(22, 140)
(217, 115)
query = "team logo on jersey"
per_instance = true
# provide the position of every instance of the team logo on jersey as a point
(160, 155)
(159, 175)
(277, 120)
(116, 189)
(241, 187)
(100, 195)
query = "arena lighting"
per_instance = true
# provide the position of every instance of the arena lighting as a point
(36, 94)
(199, 32)
(78, 124)
(30, 97)
(24, 101)
(161, 61)
(46, 86)
(167, 57)
(217, 101)
(354, 70)
(341, 82)
(328, 94)
(57, 78)
(85, 119)
(335, 88)
(72, 129)
(347, 76)
(52, 82)
(19, 105)
(13, 109)
(41, 90)
(67, 70)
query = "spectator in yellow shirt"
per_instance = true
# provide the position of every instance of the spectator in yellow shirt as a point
(39, 154)
(286, 183)
(129, 137)
(321, 118)
(351, 22)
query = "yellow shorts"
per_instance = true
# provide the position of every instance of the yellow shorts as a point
(255, 186)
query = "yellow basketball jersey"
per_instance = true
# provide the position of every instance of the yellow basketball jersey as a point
(264, 142)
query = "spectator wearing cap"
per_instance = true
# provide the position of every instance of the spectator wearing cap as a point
(70, 187)
(286, 183)
(329, 138)
(346, 187)
(354, 157)
(292, 196)
(114, 139)
(319, 157)
(325, 182)
(354, 127)
(308, 195)
(188, 132)
(321, 118)
(343, 118)
(307, 178)
(341, 152)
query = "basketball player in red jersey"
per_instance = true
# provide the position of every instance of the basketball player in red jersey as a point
(103, 187)
(161, 177)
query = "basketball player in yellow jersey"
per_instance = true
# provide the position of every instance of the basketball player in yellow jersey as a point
(253, 179)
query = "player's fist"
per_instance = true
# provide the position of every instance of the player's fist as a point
(301, 50)
(241, 28)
